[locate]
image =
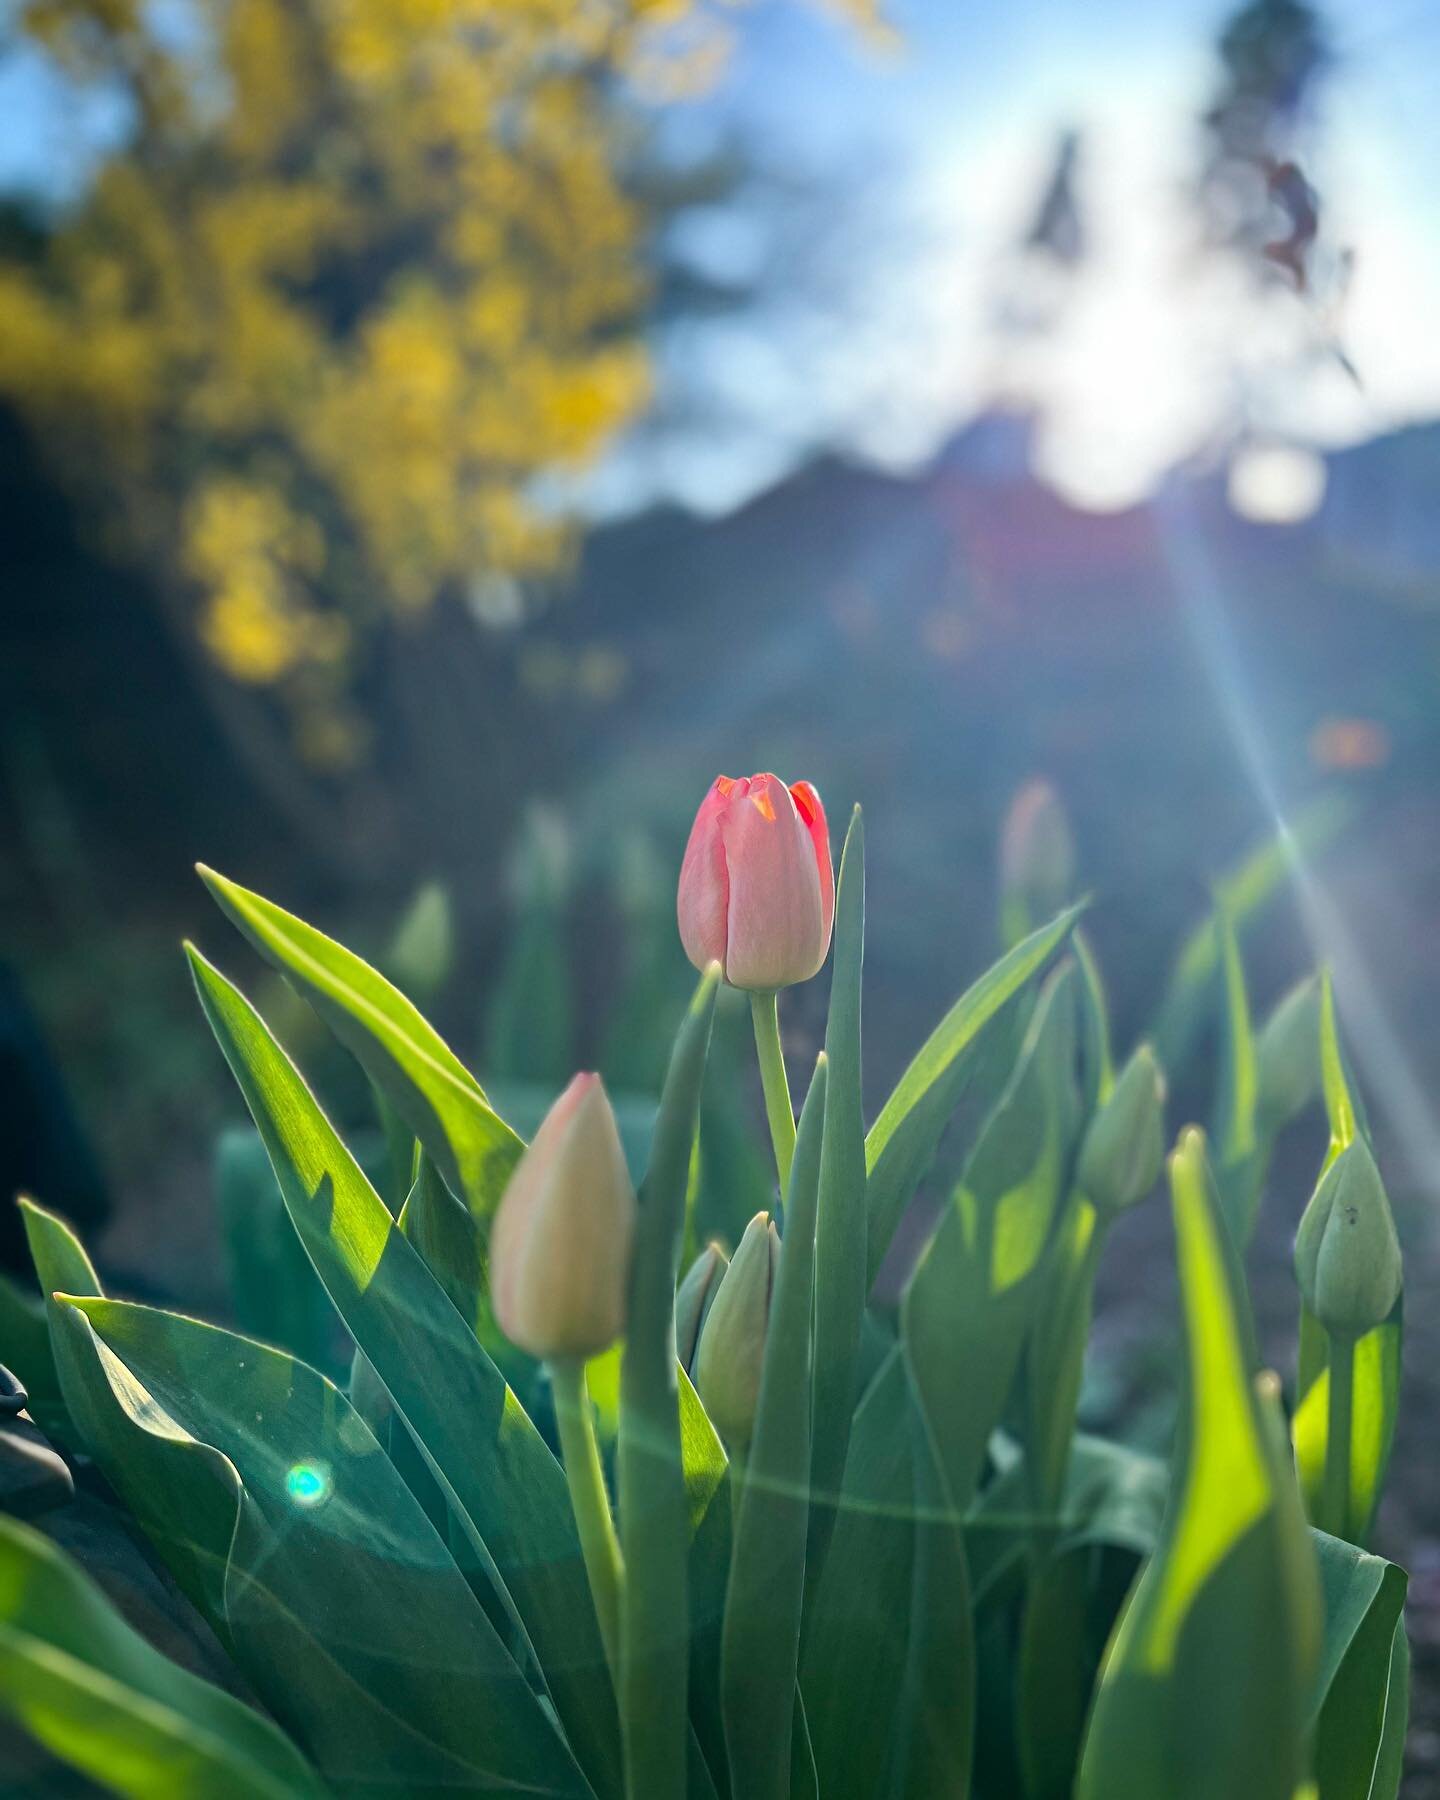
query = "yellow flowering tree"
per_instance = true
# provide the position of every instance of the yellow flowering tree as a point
(362, 269)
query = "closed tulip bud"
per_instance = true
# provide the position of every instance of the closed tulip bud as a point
(1037, 860)
(1287, 1054)
(560, 1244)
(1347, 1256)
(694, 1298)
(1124, 1147)
(731, 1351)
(757, 892)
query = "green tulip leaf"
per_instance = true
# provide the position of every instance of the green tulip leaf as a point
(1360, 1697)
(449, 1241)
(857, 1626)
(655, 1506)
(1053, 1677)
(183, 1495)
(376, 1593)
(1055, 1353)
(840, 1240)
(970, 1304)
(1239, 1159)
(1204, 1686)
(90, 1689)
(707, 1485)
(420, 1076)
(760, 1649)
(273, 1288)
(935, 1734)
(1113, 1498)
(902, 1142)
(506, 1487)
(1096, 1061)
(25, 1350)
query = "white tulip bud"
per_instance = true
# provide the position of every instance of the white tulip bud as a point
(560, 1245)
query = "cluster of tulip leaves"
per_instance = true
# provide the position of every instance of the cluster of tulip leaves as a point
(924, 1584)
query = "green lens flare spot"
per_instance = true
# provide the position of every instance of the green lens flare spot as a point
(308, 1484)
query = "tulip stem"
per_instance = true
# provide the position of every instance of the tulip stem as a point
(599, 1545)
(1336, 1491)
(778, 1110)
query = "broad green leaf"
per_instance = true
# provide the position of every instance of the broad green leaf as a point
(965, 1319)
(857, 1628)
(497, 1472)
(1244, 891)
(936, 1733)
(1240, 1161)
(1053, 1677)
(1234, 1134)
(760, 1650)
(89, 1688)
(448, 1240)
(654, 1505)
(183, 1495)
(369, 1594)
(1055, 1354)
(840, 1241)
(1114, 1498)
(902, 1142)
(272, 1286)
(1204, 1687)
(1358, 1705)
(1343, 1106)
(970, 1304)
(1096, 1062)
(707, 1485)
(427, 1084)
(702, 1455)
(1287, 1054)
(1390, 1763)
(25, 1351)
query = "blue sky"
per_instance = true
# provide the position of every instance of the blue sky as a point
(930, 159)
(907, 173)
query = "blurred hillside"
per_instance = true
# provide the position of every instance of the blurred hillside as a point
(921, 645)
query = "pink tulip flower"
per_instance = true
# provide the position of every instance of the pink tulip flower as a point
(757, 893)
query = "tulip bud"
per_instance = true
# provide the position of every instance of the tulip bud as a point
(1347, 1256)
(1287, 1054)
(1037, 860)
(694, 1299)
(560, 1244)
(1124, 1146)
(757, 892)
(731, 1351)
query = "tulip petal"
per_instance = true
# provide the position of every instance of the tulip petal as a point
(703, 900)
(775, 932)
(812, 817)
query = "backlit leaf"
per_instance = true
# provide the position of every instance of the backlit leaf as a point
(901, 1144)
(421, 1077)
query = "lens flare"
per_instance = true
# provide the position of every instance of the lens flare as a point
(308, 1484)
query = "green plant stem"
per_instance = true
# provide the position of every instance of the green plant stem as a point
(778, 1110)
(1337, 1436)
(583, 1470)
